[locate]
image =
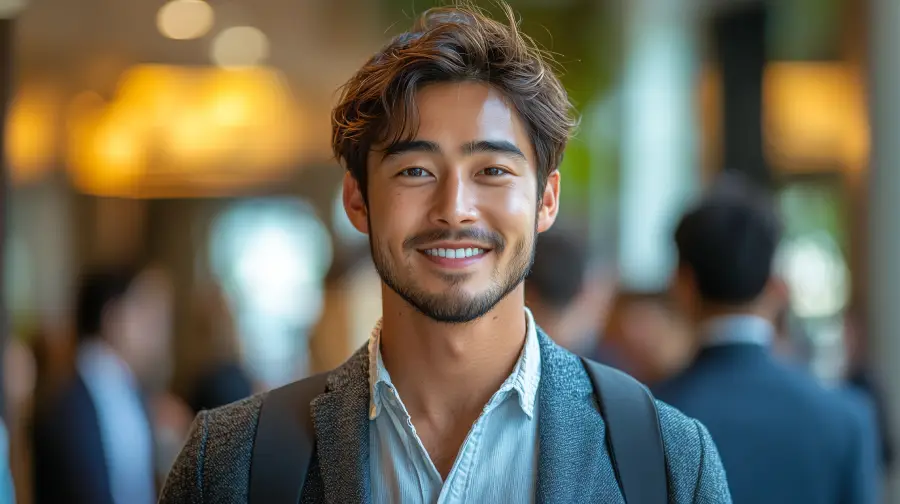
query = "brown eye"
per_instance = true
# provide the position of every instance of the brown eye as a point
(414, 172)
(493, 171)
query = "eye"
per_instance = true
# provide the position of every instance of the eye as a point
(494, 171)
(414, 172)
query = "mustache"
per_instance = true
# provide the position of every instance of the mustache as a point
(490, 238)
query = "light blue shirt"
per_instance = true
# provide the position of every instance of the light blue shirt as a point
(497, 462)
(124, 428)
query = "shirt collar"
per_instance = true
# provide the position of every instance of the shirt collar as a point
(738, 329)
(523, 380)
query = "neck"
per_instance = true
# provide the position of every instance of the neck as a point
(442, 370)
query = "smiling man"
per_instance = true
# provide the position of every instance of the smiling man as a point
(451, 136)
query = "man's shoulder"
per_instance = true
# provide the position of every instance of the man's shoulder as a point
(692, 460)
(215, 461)
(231, 428)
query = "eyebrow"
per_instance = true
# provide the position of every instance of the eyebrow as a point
(494, 146)
(411, 146)
(474, 147)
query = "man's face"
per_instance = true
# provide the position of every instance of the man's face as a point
(453, 214)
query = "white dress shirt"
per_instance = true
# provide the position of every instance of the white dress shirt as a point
(497, 462)
(124, 427)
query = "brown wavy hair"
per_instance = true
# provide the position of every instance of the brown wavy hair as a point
(452, 44)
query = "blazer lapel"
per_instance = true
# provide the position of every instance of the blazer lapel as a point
(573, 462)
(342, 432)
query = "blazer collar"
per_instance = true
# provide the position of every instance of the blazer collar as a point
(571, 432)
(342, 431)
(572, 450)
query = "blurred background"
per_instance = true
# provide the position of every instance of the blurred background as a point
(193, 137)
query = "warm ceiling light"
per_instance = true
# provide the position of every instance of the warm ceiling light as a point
(240, 46)
(184, 19)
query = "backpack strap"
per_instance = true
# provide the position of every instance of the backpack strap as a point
(284, 443)
(633, 434)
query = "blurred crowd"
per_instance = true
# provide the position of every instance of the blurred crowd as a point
(96, 417)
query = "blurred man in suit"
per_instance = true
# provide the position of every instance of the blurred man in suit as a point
(784, 439)
(93, 441)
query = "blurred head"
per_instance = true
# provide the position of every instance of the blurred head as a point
(215, 328)
(726, 247)
(452, 135)
(649, 334)
(565, 296)
(128, 307)
(558, 273)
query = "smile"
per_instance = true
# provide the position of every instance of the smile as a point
(460, 253)
(454, 258)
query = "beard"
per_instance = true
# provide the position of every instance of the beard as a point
(453, 305)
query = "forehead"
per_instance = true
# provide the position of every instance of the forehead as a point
(452, 114)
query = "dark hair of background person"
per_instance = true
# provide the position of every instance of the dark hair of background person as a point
(459, 44)
(558, 273)
(729, 241)
(98, 289)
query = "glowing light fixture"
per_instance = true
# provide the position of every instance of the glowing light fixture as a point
(815, 115)
(240, 46)
(184, 131)
(185, 19)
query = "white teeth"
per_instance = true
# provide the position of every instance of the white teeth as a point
(455, 253)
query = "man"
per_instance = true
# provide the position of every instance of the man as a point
(783, 438)
(451, 136)
(567, 299)
(93, 441)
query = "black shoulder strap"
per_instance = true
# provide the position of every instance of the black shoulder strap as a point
(635, 439)
(284, 443)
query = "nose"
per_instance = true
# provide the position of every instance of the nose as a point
(454, 203)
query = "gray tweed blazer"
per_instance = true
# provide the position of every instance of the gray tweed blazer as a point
(573, 465)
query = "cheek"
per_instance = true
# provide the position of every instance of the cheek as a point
(394, 218)
(511, 208)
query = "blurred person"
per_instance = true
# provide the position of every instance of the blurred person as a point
(646, 337)
(7, 489)
(452, 135)
(566, 296)
(93, 442)
(19, 379)
(783, 437)
(220, 376)
(352, 303)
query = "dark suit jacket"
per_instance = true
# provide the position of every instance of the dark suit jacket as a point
(573, 465)
(784, 439)
(69, 464)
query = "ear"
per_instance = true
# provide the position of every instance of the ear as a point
(549, 204)
(683, 288)
(778, 293)
(355, 205)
